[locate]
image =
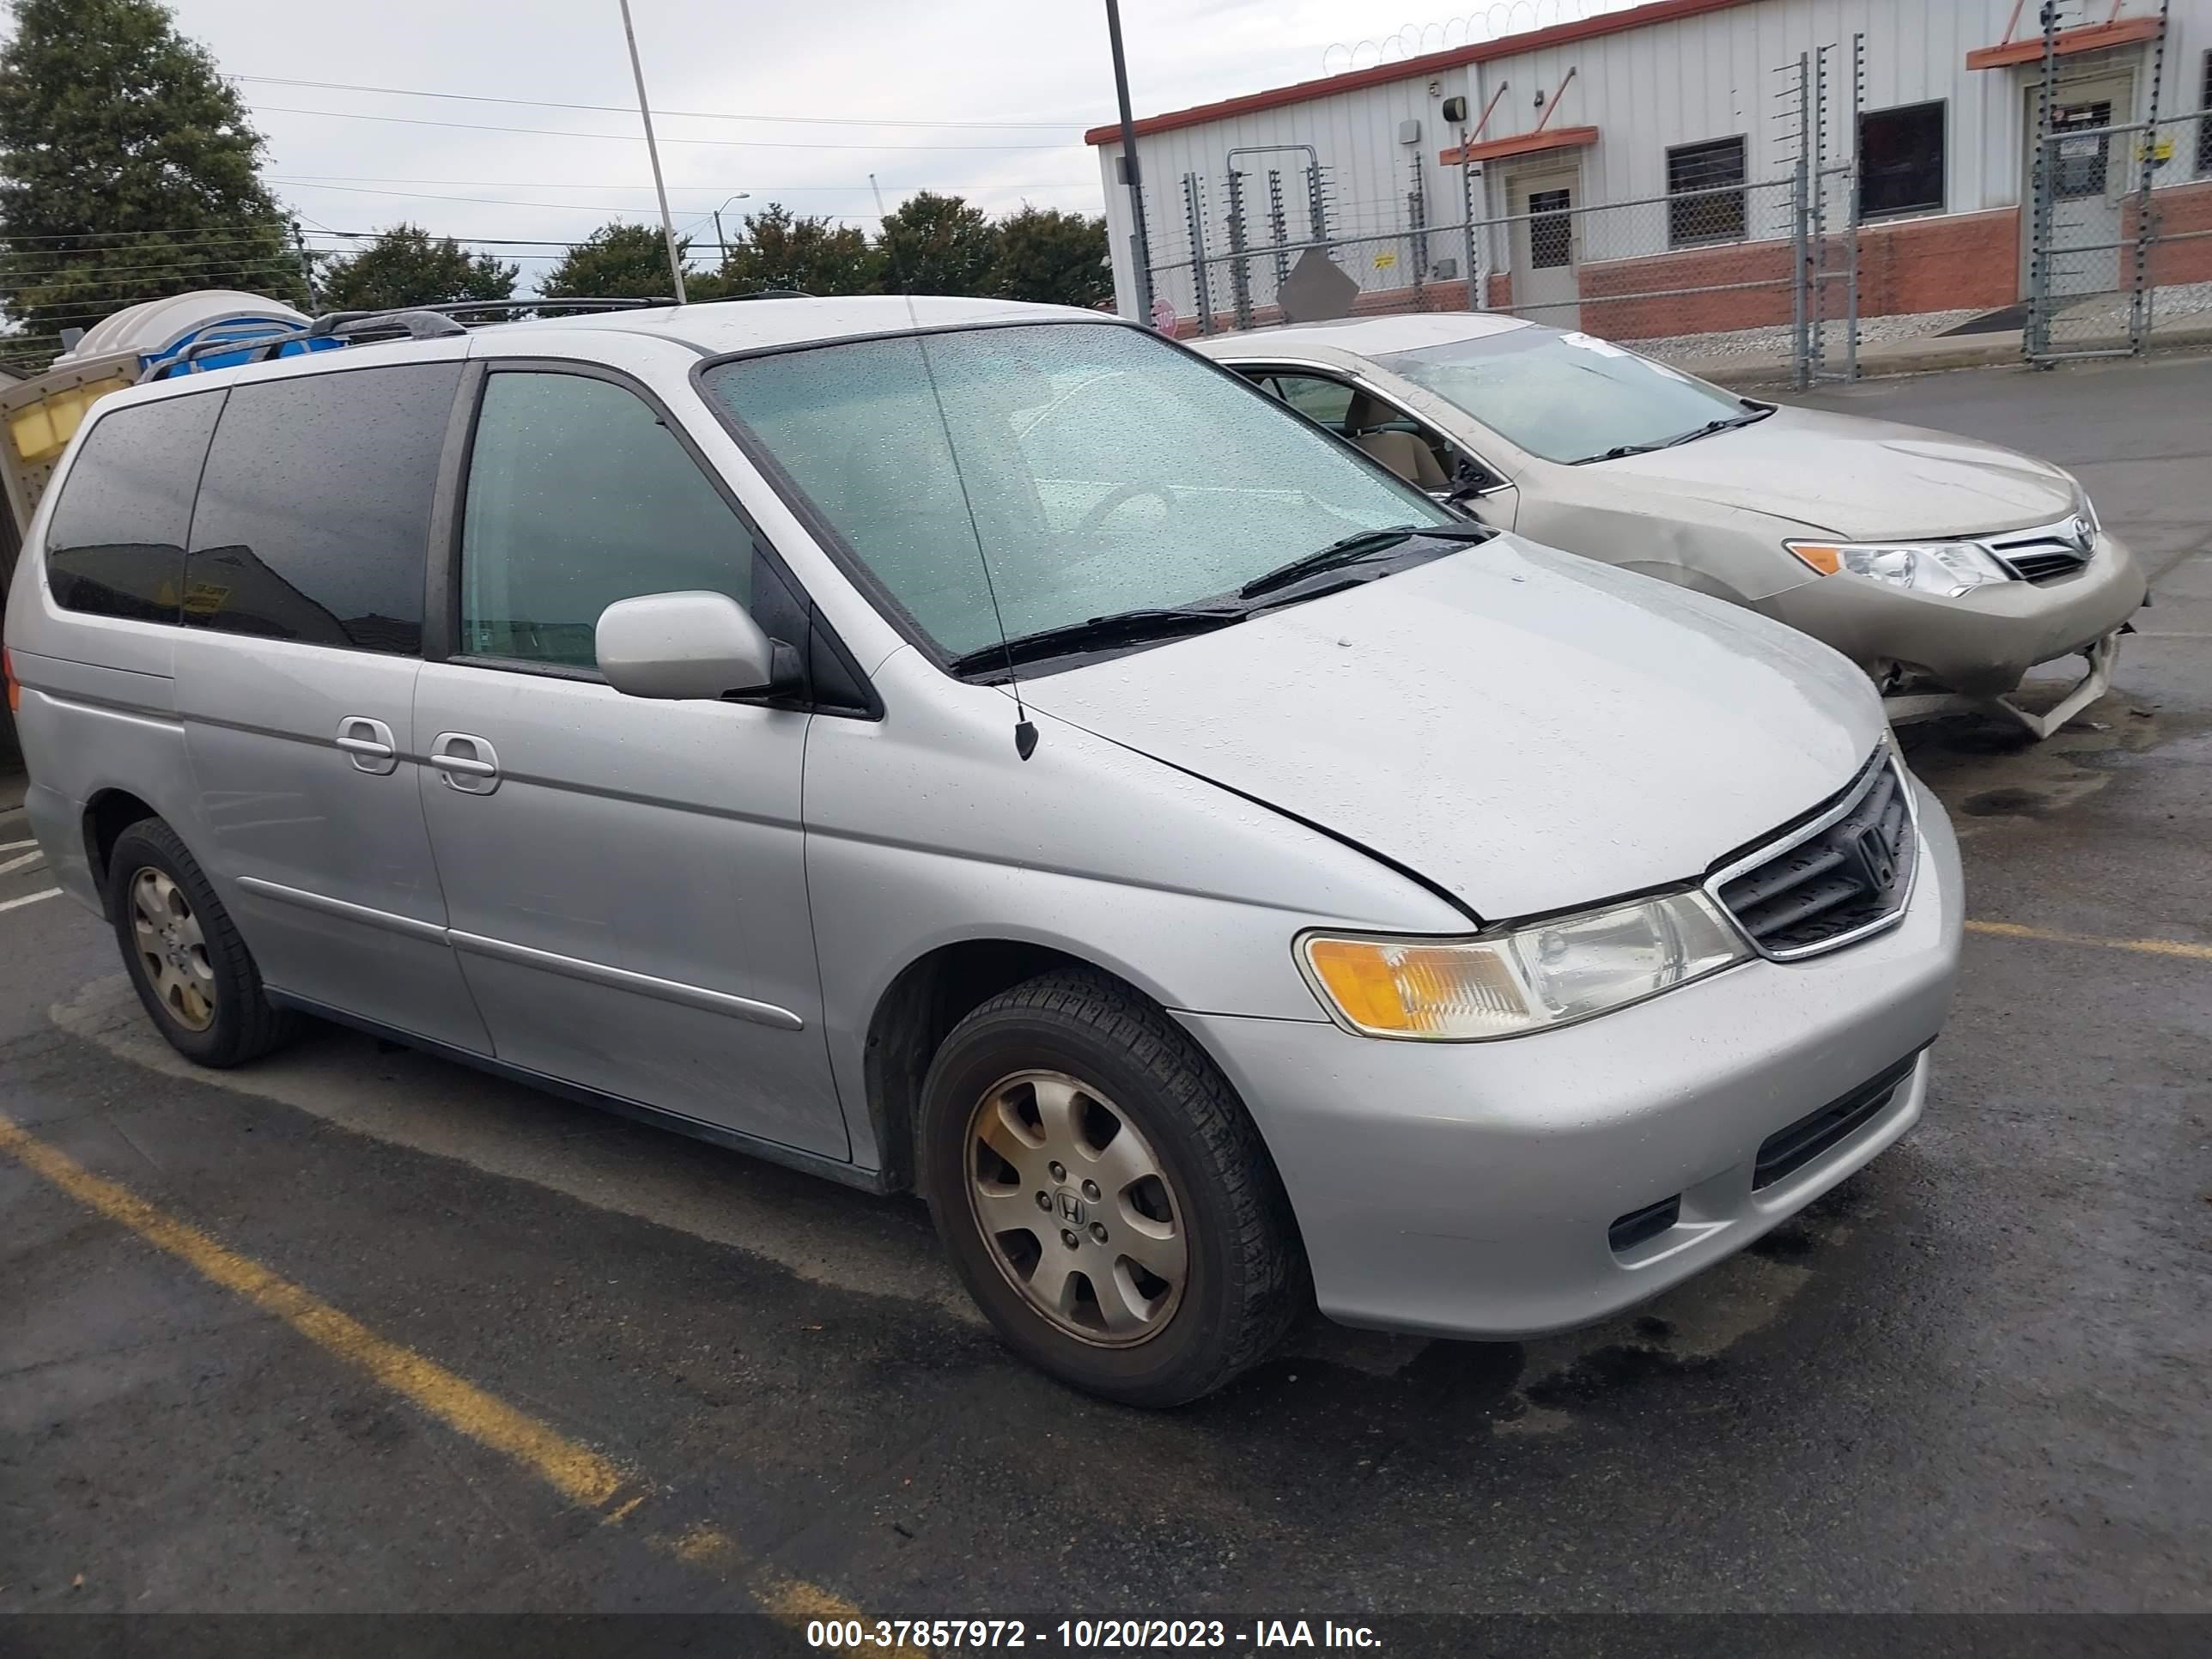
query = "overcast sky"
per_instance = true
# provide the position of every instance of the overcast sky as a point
(850, 66)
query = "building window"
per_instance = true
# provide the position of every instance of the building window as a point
(2204, 127)
(1551, 229)
(1901, 160)
(1705, 184)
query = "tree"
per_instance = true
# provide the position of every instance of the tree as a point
(129, 170)
(777, 249)
(616, 261)
(933, 244)
(406, 266)
(1053, 258)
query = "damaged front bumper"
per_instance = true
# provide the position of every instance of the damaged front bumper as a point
(1950, 655)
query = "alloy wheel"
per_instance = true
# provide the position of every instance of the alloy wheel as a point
(1076, 1209)
(172, 948)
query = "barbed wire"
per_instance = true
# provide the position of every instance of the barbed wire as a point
(1495, 23)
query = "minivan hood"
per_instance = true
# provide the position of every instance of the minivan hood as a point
(1527, 730)
(1844, 476)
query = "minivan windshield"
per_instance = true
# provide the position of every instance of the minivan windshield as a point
(1568, 396)
(1095, 470)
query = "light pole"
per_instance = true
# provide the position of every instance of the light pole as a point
(653, 152)
(721, 242)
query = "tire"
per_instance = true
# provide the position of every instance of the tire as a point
(183, 952)
(1101, 1061)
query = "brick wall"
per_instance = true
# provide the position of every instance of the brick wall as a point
(2176, 211)
(1643, 308)
(1952, 262)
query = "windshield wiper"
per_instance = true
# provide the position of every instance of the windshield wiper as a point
(1352, 549)
(1099, 633)
(1725, 423)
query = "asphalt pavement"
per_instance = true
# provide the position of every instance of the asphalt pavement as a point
(357, 1330)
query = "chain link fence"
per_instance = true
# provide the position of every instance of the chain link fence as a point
(1663, 272)
(2121, 231)
(1721, 265)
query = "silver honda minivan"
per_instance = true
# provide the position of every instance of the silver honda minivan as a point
(991, 750)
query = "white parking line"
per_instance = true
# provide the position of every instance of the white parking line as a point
(29, 898)
(16, 845)
(17, 864)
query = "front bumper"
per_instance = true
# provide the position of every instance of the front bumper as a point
(1980, 643)
(1469, 1189)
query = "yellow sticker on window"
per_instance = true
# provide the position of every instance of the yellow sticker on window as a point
(204, 598)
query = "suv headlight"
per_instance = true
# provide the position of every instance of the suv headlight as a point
(1547, 973)
(1949, 568)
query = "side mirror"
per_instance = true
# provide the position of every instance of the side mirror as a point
(1469, 480)
(689, 644)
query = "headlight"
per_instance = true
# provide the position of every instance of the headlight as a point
(1550, 973)
(1949, 568)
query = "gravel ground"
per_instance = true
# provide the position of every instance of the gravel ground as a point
(1775, 342)
(2106, 314)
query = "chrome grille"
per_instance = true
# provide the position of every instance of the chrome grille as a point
(1846, 873)
(2047, 551)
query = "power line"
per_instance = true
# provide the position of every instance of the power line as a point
(712, 190)
(627, 109)
(647, 208)
(626, 137)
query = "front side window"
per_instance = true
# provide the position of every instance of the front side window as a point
(1901, 160)
(115, 544)
(313, 519)
(1091, 469)
(1327, 401)
(1564, 397)
(578, 496)
(1704, 193)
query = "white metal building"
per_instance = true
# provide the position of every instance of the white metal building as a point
(1674, 96)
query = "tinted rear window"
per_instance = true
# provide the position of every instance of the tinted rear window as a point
(314, 513)
(115, 546)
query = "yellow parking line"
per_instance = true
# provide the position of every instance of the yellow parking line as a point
(2150, 947)
(577, 1473)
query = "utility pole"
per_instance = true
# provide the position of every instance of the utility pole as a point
(1144, 247)
(307, 263)
(652, 153)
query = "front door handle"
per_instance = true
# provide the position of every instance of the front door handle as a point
(369, 742)
(467, 763)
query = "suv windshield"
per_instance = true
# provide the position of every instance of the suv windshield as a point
(1095, 469)
(1566, 396)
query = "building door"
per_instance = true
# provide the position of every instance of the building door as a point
(2088, 182)
(1545, 246)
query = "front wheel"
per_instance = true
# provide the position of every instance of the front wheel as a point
(1103, 1195)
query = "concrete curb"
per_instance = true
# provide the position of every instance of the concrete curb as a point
(1938, 352)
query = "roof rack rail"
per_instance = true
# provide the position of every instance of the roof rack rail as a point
(435, 321)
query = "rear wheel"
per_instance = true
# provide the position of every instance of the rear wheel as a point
(191, 968)
(1103, 1195)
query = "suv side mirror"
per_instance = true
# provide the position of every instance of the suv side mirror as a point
(689, 644)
